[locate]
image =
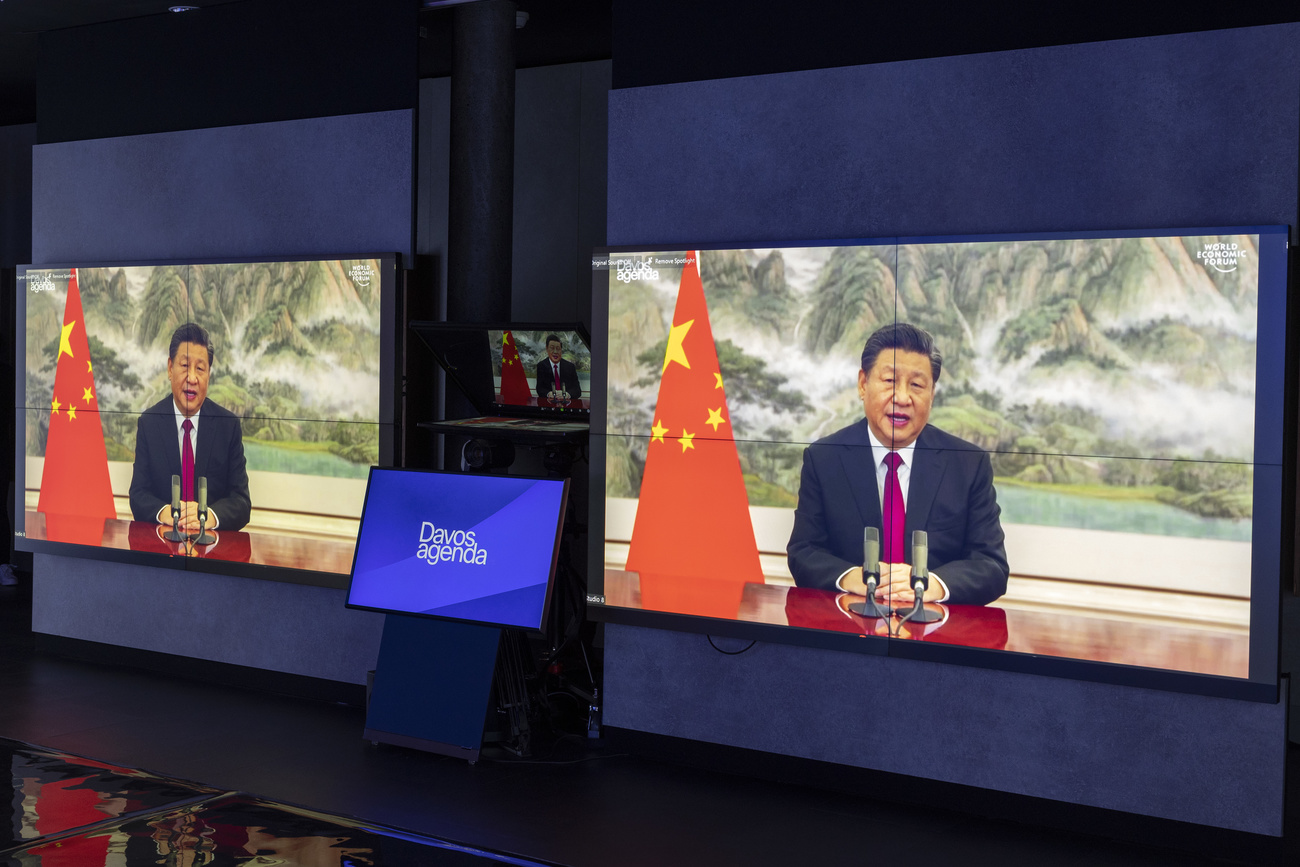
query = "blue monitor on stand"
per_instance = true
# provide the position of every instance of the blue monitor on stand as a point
(477, 552)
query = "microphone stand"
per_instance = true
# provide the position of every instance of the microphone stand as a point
(871, 574)
(204, 537)
(918, 613)
(869, 607)
(175, 535)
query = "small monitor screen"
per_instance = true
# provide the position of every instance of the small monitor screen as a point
(459, 546)
(549, 369)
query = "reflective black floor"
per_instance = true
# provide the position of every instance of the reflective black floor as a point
(62, 809)
(575, 807)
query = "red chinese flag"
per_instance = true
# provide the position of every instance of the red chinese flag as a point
(514, 382)
(693, 541)
(76, 494)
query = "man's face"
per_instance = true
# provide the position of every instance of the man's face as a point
(553, 350)
(896, 396)
(188, 372)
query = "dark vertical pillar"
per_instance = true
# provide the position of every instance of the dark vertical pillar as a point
(481, 188)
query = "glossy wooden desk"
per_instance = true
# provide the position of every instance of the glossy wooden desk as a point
(234, 546)
(1088, 635)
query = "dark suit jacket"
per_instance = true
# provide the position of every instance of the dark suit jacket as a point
(950, 496)
(219, 455)
(568, 378)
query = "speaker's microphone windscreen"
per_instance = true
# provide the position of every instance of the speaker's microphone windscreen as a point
(203, 495)
(176, 493)
(920, 553)
(871, 550)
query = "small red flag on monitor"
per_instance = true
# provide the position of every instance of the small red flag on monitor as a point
(76, 493)
(514, 381)
(693, 541)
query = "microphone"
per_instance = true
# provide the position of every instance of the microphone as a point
(871, 575)
(175, 534)
(920, 553)
(205, 538)
(871, 551)
(920, 580)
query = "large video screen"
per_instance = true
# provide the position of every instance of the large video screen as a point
(459, 546)
(1086, 429)
(216, 416)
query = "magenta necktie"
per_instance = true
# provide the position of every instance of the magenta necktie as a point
(187, 463)
(894, 512)
(556, 368)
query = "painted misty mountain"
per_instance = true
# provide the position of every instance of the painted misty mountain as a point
(1068, 359)
(297, 351)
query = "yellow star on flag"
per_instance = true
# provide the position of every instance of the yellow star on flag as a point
(686, 440)
(675, 351)
(72, 413)
(89, 369)
(658, 431)
(719, 378)
(64, 344)
(508, 361)
(56, 406)
(715, 418)
(88, 397)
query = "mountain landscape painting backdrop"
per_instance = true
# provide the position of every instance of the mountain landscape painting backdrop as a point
(297, 354)
(1112, 379)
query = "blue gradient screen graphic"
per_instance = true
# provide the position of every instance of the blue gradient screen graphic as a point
(461, 546)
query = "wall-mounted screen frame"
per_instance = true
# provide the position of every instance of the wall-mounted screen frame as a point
(293, 398)
(1115, 403)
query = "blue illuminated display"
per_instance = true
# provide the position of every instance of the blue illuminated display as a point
(465, 547)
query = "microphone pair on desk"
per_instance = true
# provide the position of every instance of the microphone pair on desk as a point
(871, 575)
(176, 535)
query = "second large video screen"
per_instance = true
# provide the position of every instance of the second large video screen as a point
(263, 388)
(1087, 428)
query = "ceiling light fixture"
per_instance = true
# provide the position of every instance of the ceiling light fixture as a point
(181, 8)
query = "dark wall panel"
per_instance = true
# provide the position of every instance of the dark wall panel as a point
(237, 63)
(16, 194)
(240, 621)
(1171, 131)
(1144, 751)
(318, 186)
(686, 40)
(560, 171)
(560, 132)
(1201, 129)
(322, 185)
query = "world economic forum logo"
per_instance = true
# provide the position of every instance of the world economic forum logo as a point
(361, 274)
(440, 545)
(1222, 257)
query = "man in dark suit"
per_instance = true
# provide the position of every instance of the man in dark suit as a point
(556, 375)
(187, 435)
(930, 479)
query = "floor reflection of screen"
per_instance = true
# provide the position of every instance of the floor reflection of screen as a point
(459, 546)
(1091, 436)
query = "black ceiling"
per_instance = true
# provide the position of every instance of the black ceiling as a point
(558, 31)
(680, 40)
